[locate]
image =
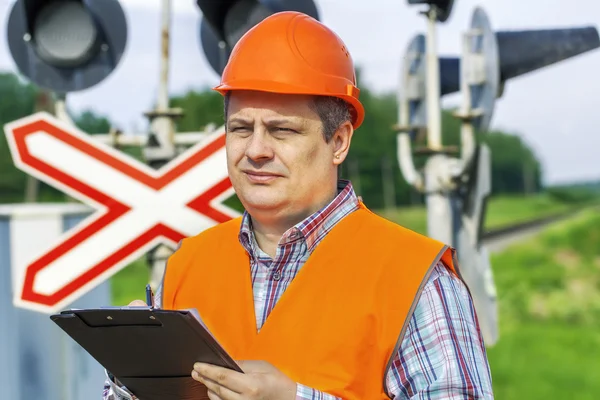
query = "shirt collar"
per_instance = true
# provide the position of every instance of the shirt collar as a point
(314, 227)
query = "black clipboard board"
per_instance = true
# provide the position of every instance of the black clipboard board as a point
(150, 351)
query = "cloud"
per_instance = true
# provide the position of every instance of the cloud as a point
(178, 7)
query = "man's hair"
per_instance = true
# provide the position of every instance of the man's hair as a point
(332, 111)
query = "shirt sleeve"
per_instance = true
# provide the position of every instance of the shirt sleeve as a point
(306, 393)
(113, 390)
(442, 355)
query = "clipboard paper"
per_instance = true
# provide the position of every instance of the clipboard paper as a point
(150, 351)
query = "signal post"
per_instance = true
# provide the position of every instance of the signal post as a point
(457, 181)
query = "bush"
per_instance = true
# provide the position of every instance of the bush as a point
(573, 195)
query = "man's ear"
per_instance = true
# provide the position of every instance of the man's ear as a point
(341, 142)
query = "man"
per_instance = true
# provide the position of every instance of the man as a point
(314, 295)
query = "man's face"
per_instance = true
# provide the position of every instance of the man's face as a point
(277, 157)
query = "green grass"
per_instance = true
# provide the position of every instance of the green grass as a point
(549, 293)
(129, 284)
(414, 217)
(547, 361)
(502, 211)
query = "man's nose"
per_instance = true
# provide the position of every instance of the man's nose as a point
(259, 146)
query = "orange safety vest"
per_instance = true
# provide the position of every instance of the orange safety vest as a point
(340, 320)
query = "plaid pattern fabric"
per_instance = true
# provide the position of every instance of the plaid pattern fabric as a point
(442, 355)
(271, 277)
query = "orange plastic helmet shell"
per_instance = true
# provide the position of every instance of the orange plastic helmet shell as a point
(292, 53)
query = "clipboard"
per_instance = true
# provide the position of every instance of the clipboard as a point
(150, 351)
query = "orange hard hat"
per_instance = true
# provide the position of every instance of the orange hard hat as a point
(293, 53)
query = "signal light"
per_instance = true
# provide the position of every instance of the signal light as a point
(224, 22)
(496, 57)
(66, 45)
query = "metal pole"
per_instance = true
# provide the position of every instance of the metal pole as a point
(389, 190)
(162, 121)
(434, 124)
(456, 190)
(440, 202)
(528, 179)
(354, 171)
(163, 127)
(43, 102)
(161, 148)
(222, 54)
(60, 111)
(162, 102)
(60, 108)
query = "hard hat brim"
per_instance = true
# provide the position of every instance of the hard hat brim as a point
(357, 112)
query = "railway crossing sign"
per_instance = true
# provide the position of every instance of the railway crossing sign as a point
(136, 207)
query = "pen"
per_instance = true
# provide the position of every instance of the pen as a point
(149, 296)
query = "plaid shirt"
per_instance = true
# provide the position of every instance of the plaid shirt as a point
(442, 355)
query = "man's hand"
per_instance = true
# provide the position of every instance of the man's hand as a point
(260, 381)
(137, 303)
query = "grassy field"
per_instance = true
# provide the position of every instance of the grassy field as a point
(502, 211)
(549, 291)
(128, 284)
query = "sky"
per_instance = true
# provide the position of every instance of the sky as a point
(553, 109)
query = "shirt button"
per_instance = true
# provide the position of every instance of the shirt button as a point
(277, 276)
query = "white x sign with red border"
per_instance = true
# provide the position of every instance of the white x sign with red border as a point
(137, 207)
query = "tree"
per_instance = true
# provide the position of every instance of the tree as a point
(92, 123)
(200, 107)
(17, 100)
(374, 142)
(512, 161)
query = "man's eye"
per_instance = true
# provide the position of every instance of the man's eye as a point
(285, 130)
